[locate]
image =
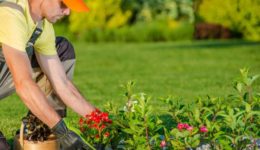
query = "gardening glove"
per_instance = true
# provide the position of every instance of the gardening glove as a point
(69, 137)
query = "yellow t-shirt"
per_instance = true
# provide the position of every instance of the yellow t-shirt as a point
(16, 29)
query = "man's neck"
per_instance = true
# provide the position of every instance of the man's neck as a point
(35, 10)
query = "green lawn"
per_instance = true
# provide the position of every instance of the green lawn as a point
(184, 69)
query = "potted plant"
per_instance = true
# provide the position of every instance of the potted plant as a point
(34, 134)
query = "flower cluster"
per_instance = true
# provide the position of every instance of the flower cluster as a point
(182, 126)
(96, 127)
(186, 126)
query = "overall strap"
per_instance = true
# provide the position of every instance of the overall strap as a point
(35, 35)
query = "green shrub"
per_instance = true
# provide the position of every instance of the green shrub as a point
(230, 122)
(182, 32)
(141, 32)
(103, 15)
(110, 21)
(238, 15)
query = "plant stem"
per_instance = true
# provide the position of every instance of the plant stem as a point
(147, 133)
(250, 97)
(214, 117)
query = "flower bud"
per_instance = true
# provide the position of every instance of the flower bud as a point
(163, 143)
(203, 129)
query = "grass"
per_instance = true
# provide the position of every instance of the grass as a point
(184, 69)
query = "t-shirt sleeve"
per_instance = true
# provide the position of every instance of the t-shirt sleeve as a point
(46, 43)
(13, 29)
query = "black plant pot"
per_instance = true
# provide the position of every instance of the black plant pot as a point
(100, 146)
(3, 142)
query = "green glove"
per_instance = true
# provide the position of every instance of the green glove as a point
(69, 137)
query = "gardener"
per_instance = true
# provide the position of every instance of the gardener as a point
(39, 66)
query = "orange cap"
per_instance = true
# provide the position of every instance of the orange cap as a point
(76, 5)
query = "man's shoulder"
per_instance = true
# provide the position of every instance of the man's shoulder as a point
(12, 5)
(12, 8)
(14, 28)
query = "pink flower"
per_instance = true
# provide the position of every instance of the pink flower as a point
(203, 129)
(163, 143)
(180, 126)
(190, 128)
(185, 125)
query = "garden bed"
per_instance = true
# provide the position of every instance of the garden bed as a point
(230, 122)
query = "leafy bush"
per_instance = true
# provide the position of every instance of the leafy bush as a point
(134, 21)
(143, 32)
(147, 11)
(230, 122)
(103, 15)
(238, 15)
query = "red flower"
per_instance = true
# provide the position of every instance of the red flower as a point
(203, 129)
(81, 121)
(96, 120)
(109, 121)
(163, 143)
(104, 115)
(103, 126)
(82, 129)
(88, 122)
(97, 136)
(97, 110)
(107, 134)
(96, 126)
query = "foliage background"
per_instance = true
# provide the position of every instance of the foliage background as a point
(159, 20)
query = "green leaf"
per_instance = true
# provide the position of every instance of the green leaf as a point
(129, 131)
(248, 107)
(197, 115)
(239, 87)
(226, 145)
(254, 78)
(195, 143)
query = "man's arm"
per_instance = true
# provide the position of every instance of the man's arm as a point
(26, 88)
(63, 87)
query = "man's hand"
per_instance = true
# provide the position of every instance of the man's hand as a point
(69, 137)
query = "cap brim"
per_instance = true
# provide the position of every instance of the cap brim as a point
(76, 5)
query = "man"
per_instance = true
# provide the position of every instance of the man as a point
(39, 66)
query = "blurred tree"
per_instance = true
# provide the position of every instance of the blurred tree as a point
(159, 9)
(196, 5)
(239, 15)
(106, 17)
(103, 14)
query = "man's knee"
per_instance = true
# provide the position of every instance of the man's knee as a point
(65, 49)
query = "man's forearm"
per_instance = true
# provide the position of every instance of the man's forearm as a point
(36, 101)
(72, 98)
